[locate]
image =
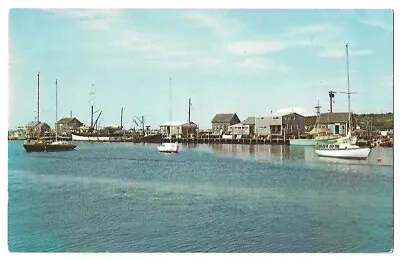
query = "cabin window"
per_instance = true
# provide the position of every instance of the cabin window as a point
(275, 118)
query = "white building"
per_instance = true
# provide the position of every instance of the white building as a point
(178, 129)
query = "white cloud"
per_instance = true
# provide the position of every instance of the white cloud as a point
(378, 24)
(335, 53)
(254, 47)
(310, 30)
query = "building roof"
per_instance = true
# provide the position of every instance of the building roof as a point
(223, 118)
(37, 124)
(251, 120)
(32, 124)
(328, 118)
(67, 120)
(178, 123)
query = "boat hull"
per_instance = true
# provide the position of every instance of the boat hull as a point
(76, 137)
(59, 147)
(168, 148)
(350, 153)
(43, 147)
(35, 147)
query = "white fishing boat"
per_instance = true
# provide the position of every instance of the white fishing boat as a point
(169, 147)
(343, 150)
(346, 147)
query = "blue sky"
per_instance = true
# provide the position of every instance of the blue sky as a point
(244, 61)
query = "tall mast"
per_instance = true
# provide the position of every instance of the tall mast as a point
(190, 104)
(348, 82)
(56, 112)
(122, 112)
(170, 111)
(38, 97)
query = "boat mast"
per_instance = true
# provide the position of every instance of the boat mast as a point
(348, 82)
(189, 109)
(348, 85)
(38, 97)
(56, 112)
(122, 112)
(170, 111)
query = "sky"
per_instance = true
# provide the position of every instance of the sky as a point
(244, 61)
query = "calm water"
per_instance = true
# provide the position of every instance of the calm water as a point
(121, 197)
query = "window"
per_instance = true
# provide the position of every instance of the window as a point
(275, 118)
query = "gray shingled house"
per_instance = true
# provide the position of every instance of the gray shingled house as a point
(67, 125)
(337, 123)
(221, 122)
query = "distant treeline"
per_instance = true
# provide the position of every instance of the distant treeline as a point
(379, 121)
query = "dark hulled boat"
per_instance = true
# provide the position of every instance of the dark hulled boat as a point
(42, 146)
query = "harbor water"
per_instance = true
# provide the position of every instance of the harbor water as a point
(124, 197)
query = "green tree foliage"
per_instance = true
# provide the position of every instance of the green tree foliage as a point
(379, 121)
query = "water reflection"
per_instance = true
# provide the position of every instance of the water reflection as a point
(300, 153)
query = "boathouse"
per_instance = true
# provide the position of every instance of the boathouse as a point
(178, 129)
(280, 124)
(36, 127)
(337, 123)
(221, 122)
(243, 129)
(67, 125)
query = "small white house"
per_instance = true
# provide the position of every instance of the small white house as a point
(178, 129)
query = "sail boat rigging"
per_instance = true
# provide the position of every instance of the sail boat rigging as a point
(169, 147)
(43, 146)
(346, 149)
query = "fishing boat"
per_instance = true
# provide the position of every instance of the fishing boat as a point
(319, 135)
(345, 149)
(169, 147)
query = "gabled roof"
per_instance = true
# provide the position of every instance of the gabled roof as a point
(328, 118)
(32, 124)
(223, 118)
(251, 120)
(67, 120)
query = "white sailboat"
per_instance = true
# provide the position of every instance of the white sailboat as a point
(169, 147)
(59, 145)
(346, 148)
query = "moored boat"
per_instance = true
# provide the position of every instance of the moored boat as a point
(343, 150)
(168, 147)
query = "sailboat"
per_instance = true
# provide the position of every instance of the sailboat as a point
(169, 147)
(345, 149)
(59, 145)
(39, 145)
